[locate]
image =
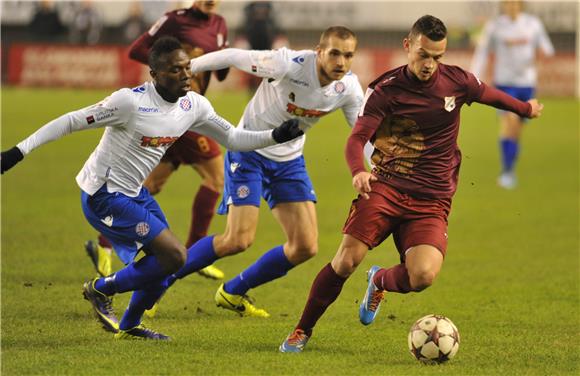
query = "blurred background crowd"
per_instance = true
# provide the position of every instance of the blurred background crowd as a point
(69, 43)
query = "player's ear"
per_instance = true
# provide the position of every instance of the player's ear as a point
(153, 74)
(406, 44)
(318, 49)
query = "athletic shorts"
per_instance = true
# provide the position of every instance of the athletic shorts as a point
(250, 176)
(412, 221)
(129, 223)
(191, 148)
(522, 93)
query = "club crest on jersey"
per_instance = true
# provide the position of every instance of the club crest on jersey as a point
(243, 191)
(449, 104)
(185, 104)
(142, 229)
(339, 87)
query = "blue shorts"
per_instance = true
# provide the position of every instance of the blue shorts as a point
(522, 93)
(250, 176)
(129, 223)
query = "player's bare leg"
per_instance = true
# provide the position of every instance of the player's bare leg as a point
(299, 222)
(240, 231)
(158, 177)
(423, 264)
(211, 172)
(511, 127)
(239, 235)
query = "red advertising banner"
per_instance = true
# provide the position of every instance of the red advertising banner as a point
(71, 66)
(110, 67)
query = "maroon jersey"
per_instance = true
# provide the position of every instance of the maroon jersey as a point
(198, 32)
(413, 126)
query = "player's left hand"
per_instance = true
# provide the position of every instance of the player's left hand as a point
(362, 183)
(537, 108)
(9, 158)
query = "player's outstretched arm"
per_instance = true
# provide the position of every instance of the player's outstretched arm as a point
(10, 158)
(498, 99)
(270, 64)
(238, 139)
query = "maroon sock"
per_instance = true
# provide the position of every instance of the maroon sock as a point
(395, 279)
(104, 242)
(325, 289)
(201, 214)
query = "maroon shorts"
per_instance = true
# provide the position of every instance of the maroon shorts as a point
(191, 148)
(411, 220)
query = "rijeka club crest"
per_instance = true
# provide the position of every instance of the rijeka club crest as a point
(449, 104)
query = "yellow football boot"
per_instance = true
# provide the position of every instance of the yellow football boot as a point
(240, 304)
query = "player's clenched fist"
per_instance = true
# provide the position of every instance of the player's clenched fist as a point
(537, 108)
(9, 158)
(288, 130)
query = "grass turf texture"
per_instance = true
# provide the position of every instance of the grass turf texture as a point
(510, 281)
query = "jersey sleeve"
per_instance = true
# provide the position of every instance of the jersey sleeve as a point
(372, 113)
(353, 103)
(223, 29)
(210, 124)
(269, 64)
(473, 86)
(113, 111)
(543, 40)
(139, 49)
(484, 44)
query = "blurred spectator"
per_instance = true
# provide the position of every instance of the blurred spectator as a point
(134, 25)
(86, 24)
(261, 31)
(46, 24)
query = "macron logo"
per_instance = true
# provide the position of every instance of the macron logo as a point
(108, 220)
(298, 60)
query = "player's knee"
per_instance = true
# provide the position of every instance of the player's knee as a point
(422, 279)
(239, 244)
(175, 259)
(152, 186)
(215, 182)
(302, 252)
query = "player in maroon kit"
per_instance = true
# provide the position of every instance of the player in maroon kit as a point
(411, 115)
(200, 31)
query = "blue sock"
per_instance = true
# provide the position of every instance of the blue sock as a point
(199, 255)
(509, 153)
(135, 276)
(273, 264)
(142, 300)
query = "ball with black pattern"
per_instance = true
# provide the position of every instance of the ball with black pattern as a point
(433, 339)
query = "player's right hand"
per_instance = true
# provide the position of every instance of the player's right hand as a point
(288, 130)
(9, 158)
(537, 108)
(362, 183)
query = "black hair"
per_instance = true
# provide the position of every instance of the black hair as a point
(162, 47)
(429, 26)
(338, 31)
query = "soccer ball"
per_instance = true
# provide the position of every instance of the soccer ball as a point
(433, 339)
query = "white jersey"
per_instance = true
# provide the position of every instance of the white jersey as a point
(290, 89)
(140, 127)
(514, 43)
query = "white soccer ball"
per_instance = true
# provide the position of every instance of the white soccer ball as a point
(433, 339)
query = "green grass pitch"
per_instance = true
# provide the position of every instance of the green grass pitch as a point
(510, 281)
